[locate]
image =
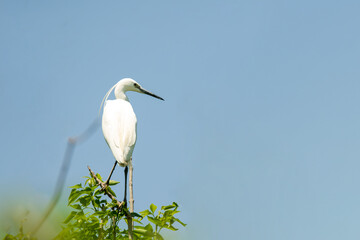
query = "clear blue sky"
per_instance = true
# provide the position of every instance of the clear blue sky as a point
(259, 134)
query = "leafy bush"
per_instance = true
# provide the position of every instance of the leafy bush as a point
(95, 216)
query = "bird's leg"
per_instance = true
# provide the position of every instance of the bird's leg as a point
(112, 170)
(126, 172)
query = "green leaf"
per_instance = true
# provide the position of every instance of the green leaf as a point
(74, 195)
(145, 213)
(149, 228)
(174, 205)
(153, 208)
(145, 231)
(113, 182)
(85, 201)
(96, 203)
(155, 221)
(167, 207)
(71, 193)
(138, 220)
(98, 176)
(76, 186)
(134, 214)
(87, 190)
(111, 204)
(76, 206)
(176, 219)
(158, 236)
(170, 227)
(111, 191)
(68, 219)
(98, 191)
(139, 229)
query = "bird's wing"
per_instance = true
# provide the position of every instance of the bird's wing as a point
(119, 128)
(126, 127)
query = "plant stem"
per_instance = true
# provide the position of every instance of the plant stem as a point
(131, 223)
(131, 169)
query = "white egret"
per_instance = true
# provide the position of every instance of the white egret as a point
(119, 123)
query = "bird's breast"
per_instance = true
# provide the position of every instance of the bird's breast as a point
(119, 125)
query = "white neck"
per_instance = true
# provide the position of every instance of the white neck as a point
(120, 92)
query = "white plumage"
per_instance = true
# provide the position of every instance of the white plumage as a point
(119, 129)
(119, 122)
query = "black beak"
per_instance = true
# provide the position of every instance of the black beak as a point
(149, 93)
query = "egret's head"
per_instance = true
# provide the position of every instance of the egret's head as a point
(128, 84)
(124, 85)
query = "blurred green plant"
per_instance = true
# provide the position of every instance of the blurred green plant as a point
(21, 235)
(95, 216)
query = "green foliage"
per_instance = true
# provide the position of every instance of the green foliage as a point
(96, 216)
(21, 235)
(162, 219)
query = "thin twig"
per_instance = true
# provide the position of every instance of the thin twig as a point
(103, 186)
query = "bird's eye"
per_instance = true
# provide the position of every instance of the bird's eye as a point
(136, 85)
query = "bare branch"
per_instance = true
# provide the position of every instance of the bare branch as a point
(131, 225)
(69, 151)
(131, 169)
(103, 186)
